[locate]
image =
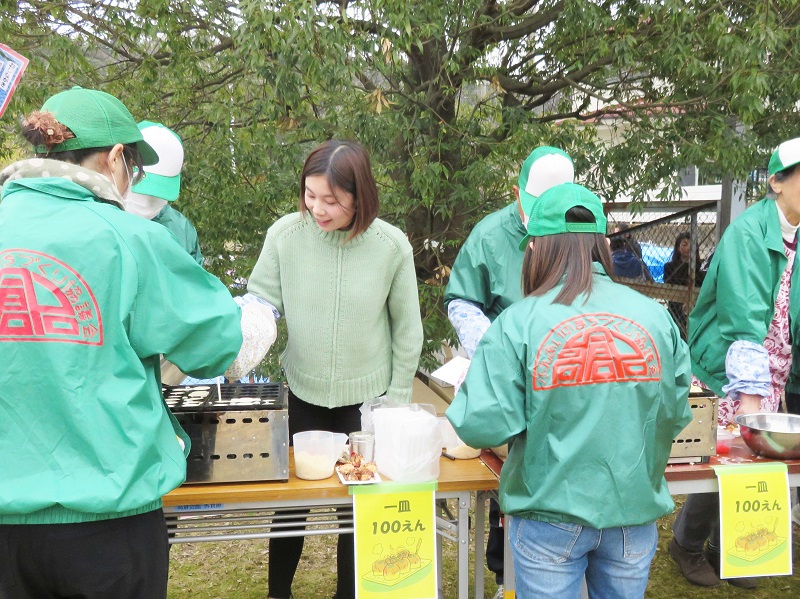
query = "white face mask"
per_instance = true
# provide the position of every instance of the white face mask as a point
(143, 205)
(129, 175)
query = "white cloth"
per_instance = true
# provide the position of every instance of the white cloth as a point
(788, 230)
(470, 323)
(143, 205)
(259, 331)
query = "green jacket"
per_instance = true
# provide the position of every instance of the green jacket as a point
(488, 268)
(183, 229)
(737, 299)
(90, 296)
(589, 396)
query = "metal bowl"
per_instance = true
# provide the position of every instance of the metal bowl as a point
(771, 435)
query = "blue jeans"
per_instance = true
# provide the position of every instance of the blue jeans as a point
(551, 560)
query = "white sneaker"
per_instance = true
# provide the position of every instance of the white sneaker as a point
(796, 514)
(500, 593)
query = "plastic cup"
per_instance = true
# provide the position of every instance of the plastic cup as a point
(724, 441)
(316, 452)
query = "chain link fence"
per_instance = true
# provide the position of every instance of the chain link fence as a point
(664, 254)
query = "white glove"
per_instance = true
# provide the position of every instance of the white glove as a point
(258, 334)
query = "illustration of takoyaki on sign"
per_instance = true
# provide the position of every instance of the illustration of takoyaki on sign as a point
(395, 536)
(755, 520)
(396, 565)
(757, 544)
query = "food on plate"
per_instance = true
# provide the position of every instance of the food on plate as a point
(357, 469)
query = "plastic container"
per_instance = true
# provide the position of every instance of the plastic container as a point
(316, 453)
(408, 443)
(724, 440)
(363, 444)
(449, 436)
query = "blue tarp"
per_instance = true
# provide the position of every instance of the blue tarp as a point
(656, 256)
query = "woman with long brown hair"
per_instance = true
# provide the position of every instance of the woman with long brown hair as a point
(587, 381)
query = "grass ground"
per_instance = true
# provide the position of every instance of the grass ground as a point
(238, 570)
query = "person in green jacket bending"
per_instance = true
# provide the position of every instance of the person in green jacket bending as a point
(740, 336)
(162, 184)
(587, 380)
(90, 296)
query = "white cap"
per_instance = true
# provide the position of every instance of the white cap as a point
(162, 179)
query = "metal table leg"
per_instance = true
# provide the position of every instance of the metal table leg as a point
(439, 524)
(463, 543)
(508, 564)
(481, 498)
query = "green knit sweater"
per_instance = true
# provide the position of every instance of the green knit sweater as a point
(351, 308)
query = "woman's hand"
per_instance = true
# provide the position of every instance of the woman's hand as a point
(748, 404)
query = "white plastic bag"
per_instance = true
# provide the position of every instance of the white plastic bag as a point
(369, 406)
(408, 442)
(449, 436)
(452, 443)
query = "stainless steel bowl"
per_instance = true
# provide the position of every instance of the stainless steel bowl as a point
(771, 435)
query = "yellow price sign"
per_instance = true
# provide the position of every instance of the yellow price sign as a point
(395, 538)
(755, 517)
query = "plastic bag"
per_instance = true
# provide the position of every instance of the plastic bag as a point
(452, 443)
(408, 442)
(371, 405)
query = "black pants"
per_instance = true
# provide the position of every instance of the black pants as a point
(792, 403)
(698, 522)
(495, 545)
(122, 558)
(284, 553)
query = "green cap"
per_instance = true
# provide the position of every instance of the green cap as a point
(548, 216)
(787, 154)
(162, 179)
(544, 167)
(98, 120)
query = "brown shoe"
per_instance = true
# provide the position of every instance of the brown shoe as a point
(713, 558)
(694, 566)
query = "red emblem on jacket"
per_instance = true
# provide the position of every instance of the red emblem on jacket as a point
(595, 348)
(43, 299)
